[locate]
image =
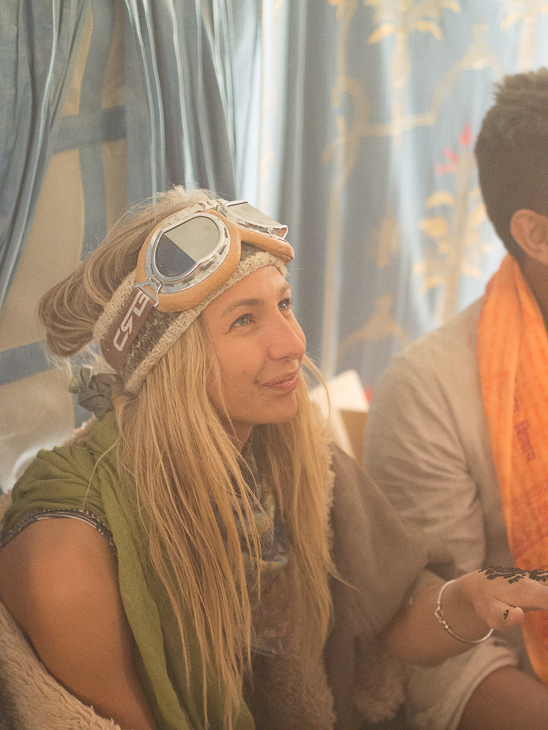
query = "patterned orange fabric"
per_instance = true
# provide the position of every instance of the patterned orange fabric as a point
(513, 363)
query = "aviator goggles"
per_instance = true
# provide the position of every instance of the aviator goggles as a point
(188, 256)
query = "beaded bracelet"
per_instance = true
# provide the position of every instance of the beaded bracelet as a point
(439, 615)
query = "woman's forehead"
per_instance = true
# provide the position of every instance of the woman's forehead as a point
(266, 282)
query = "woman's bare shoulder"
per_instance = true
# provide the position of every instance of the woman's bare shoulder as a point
(58, 579)
(54, 564)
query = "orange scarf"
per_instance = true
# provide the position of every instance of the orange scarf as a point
(513, 364)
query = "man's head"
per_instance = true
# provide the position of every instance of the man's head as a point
(512, 155)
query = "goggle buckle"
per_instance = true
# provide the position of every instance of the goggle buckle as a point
(155, 284)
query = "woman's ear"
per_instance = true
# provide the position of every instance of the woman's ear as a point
(530, 230)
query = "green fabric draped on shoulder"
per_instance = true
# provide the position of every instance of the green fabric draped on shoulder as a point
(73, 477)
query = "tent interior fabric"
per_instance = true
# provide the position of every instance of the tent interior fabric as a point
(354, 123)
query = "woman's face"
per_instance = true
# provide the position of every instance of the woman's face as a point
(259, 346)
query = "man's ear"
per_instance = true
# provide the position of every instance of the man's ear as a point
(530, 231)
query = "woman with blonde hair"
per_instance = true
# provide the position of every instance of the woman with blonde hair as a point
(198, 556)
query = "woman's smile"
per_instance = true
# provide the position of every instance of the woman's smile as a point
(285, 384)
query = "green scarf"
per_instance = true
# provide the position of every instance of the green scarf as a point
(73, 477)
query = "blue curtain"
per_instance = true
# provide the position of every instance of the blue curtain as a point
(193, 75)
(190, 113)
(378, 103)
(39, 42)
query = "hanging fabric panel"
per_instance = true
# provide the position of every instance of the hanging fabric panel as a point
(82, 194)
(39, 43)
(380, 188)
(193, 95)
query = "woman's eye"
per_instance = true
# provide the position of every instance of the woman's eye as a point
(242, 321)
(284, 305)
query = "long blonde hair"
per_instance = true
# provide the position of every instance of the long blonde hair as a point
(188, 477)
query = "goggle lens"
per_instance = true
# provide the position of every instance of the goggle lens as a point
(180, 249)
(247, 215)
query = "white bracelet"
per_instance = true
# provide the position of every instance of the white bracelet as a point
(439, 615)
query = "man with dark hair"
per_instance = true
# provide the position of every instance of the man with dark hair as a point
(512, 154)
(457, 434)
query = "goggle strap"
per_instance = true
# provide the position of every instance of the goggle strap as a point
(126, 327)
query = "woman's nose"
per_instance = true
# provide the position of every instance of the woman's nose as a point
(286, 339)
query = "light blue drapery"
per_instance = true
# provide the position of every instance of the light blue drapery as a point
(192, 75)
(379, 102)
(39, 42)
(191, 112)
